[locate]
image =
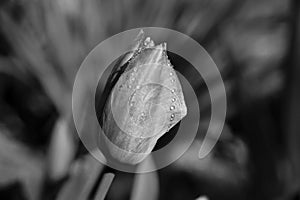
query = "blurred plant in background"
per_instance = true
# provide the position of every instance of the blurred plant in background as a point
(255, 44)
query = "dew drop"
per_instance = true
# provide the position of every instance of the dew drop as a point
(168, 62)
(147, 40)
(151, 44)
(164, 46)
(172, 107)
(173, 99)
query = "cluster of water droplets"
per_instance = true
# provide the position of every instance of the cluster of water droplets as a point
(139, 109)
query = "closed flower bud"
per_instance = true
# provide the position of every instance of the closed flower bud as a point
(145, 102)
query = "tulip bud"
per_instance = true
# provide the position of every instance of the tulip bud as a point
(145, 102)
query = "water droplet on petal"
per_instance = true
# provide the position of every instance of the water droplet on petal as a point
(164, 46)
(152, 43)
(172, 107)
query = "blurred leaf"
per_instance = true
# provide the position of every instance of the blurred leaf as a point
(18, 163)
(61, 150)
(83, 176)
(146, 185)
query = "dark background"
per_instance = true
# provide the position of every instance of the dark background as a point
(256, 46)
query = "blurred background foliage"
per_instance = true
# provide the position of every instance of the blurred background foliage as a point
(255, 44)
